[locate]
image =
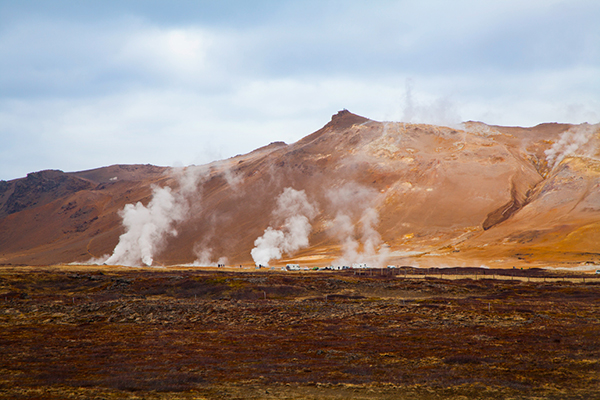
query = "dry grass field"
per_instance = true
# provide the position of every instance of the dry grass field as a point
(117, 333)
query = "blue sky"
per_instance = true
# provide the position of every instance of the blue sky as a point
(85, 84)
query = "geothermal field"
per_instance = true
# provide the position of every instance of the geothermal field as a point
(356, 191)
(424, 262)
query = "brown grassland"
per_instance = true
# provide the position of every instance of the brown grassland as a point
(177, 333)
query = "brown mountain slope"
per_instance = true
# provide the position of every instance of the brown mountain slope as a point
(63, 217)
(372, 192)
(560, 223)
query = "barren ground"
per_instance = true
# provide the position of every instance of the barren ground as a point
(106, 332)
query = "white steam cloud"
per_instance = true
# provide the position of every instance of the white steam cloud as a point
(356, 203)
(294, 208)
(571, 143)
(204, 258)
(202, 250)
(234, 180)
(438, 111)
(94, 260)
(147, 227)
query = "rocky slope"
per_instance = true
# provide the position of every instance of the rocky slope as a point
(355, 191)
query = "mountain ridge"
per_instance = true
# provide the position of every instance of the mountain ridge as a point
(382, 191)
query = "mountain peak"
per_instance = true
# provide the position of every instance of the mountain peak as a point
(341, 114)
(345, 118)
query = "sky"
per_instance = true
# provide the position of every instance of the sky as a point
(85, 84)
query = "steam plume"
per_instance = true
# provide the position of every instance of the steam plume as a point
(147, 227)
(441, 111)
(205, 258)
(202, 250)
(409, 106)
(572, 142)
(356, 203)
(294, 208)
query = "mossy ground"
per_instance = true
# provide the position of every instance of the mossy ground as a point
(117, 333)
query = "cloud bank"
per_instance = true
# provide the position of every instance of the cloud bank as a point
(191, 82)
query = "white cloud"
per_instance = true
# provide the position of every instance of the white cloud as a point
(179, 55)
